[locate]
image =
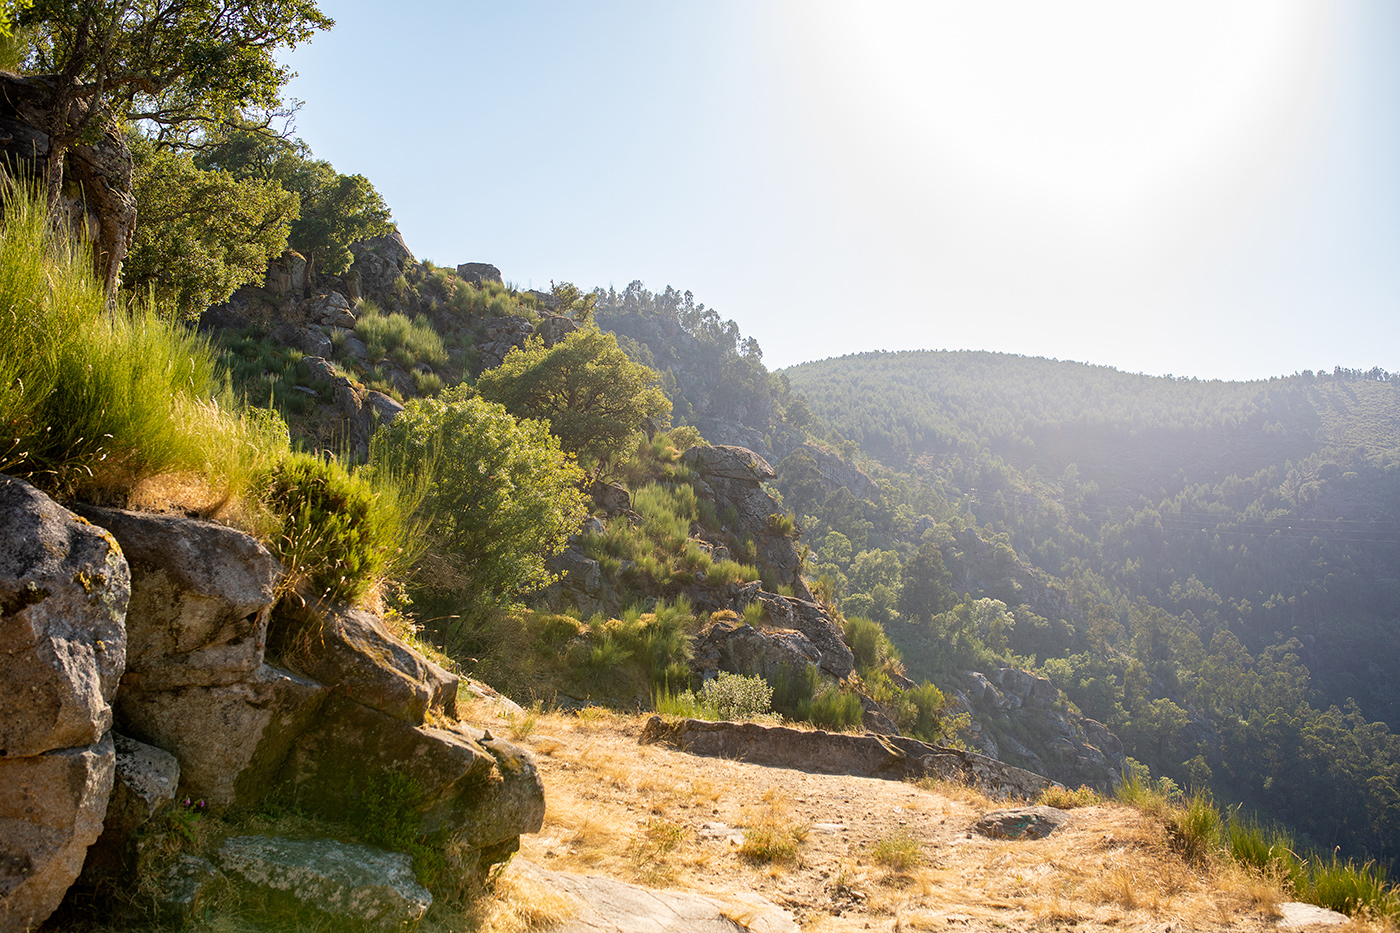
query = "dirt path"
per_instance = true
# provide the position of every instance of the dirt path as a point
(864, 853)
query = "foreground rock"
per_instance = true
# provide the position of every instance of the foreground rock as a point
(201, 595)
(349, 884)
(51, 810)
(64, 587)
(890, 757)
(607, 906)
(1021, 823)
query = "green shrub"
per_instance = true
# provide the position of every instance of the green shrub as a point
(868, 642)
(501, 497)
(337, 533)
(724, 572)
(833, 708)
(1351, 888)
(729, 697)
(772, 840)
(1066, 799)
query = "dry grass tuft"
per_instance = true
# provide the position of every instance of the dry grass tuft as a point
(520, 905)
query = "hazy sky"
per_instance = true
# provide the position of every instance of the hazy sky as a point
(1200, 188)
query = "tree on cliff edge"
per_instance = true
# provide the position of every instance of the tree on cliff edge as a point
(176, 66)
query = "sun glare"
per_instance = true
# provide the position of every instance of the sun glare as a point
(1093, 108)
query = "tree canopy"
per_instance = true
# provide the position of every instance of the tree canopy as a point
(594, 398)
(202, 233)
(336, 210)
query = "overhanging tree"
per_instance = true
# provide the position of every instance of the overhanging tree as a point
(177, 66)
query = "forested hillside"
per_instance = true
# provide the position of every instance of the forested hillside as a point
(1229, 554)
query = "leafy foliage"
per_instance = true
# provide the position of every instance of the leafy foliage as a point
(340, 532)
(335, 210)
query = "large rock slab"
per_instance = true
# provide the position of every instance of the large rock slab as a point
(201, 594)
(734, 463)
(64, 587)
(145, 783)
(51, 810)
(350, 884)
(891, 757)
(355, 655)
(804, 616)
(608, 906)
(230, 740)
(483, 790)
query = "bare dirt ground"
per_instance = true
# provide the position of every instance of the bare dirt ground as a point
(865, 854)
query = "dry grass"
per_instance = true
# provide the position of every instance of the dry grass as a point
(614, 805)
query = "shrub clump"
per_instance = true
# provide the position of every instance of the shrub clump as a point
(337, 533)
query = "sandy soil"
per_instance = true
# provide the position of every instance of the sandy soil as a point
(866, 853)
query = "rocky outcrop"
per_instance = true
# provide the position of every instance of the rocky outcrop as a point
(230, 739)
(742, 649)
(801, 615)
(480, 790)
(891, 757)
(500, 335)
(354, 651)
(96, 195)
(733, 477)
(476, 273)
(64, 587)
(345, 884)
(360, 411)
(51, 810)
(1020, 717)
(201, 709)
(837, 473)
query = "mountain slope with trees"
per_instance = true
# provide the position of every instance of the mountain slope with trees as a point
(1229, 555)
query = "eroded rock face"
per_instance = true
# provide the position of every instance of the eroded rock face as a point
(201, 595)
(51, 810)
(64, 587)
(475, 273)
(742, 649)
(814, 622)
(348, 883)
(733, 476)
(484, 791)
(230, 739)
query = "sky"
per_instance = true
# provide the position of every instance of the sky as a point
(1206, 189)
